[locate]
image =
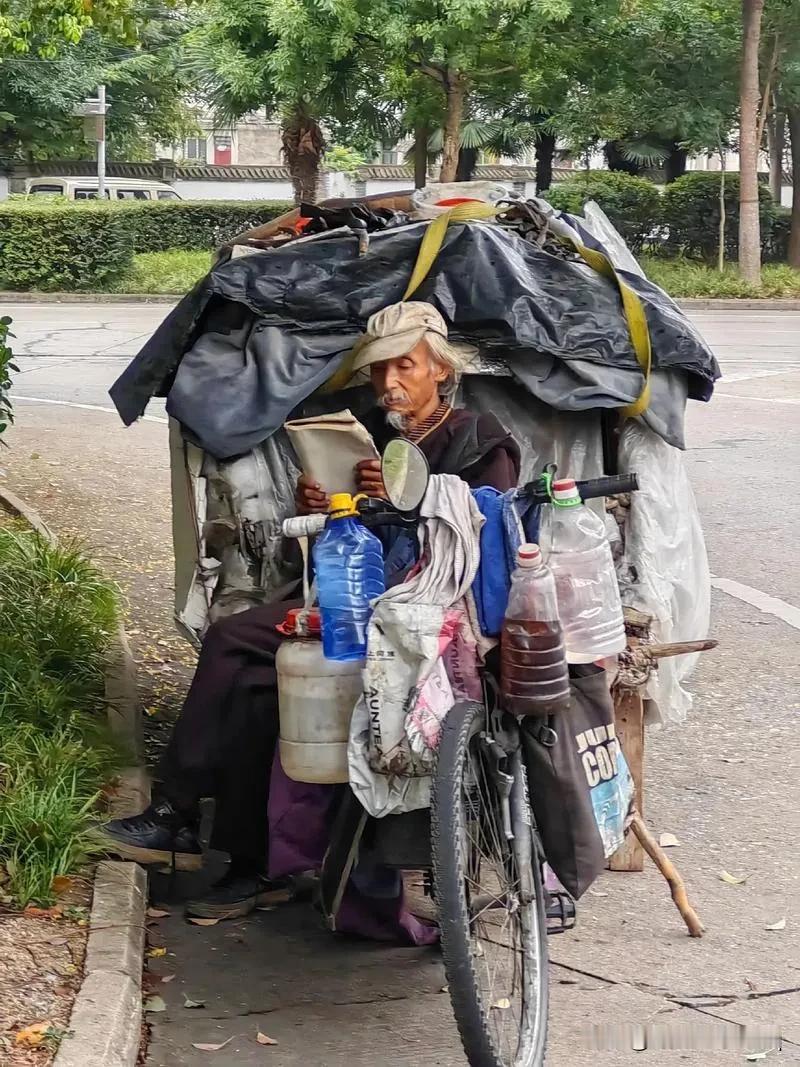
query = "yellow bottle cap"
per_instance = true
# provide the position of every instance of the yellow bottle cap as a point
(342, 505)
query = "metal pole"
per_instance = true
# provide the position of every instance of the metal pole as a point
(101, 144)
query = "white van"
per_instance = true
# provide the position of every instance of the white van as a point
(86, 188)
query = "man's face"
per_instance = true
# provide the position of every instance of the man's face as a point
(409, 384)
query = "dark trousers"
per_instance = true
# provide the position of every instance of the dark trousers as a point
(223, 743)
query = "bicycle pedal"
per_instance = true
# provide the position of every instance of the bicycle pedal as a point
(560, 913)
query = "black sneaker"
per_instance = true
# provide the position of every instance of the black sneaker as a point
(236, 895)
(154, 837)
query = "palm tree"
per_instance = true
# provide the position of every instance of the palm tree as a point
(234, 58)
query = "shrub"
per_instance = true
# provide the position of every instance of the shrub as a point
(197, 224)
(57, 613)
(690, 211)
(63, 246)
(776, 243)
(7, 365)
(632, 204)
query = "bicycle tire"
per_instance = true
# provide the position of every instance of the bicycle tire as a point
(463, 724)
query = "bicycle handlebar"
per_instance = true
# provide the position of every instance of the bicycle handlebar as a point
(376, 512)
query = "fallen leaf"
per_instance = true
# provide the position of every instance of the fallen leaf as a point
(155, 1004)
(445, 989)
(732, 879)
(32, 912)
(262, 1039)
(210, 1048)
(61, 883)
(156, 952)
(502, 1004)
(730, 759)
(157, 913)
(167, 977)
(668, 841)
(189, 1003)
(779, 925)
(204, 922)
(32, 1036)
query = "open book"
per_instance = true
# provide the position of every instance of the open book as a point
(329, 447)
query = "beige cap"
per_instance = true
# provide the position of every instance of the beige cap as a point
(395, 330)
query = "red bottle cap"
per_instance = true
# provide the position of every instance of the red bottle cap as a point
(310, 622)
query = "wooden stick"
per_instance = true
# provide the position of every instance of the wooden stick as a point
(667, 868)
(679, 648)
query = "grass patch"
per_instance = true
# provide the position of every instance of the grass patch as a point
(175, 271)
(687, 278)
(57, 615)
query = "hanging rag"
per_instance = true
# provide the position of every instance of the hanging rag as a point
(510, 519)
(406, 685)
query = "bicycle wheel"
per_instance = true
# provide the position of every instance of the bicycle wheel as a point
(494, 936)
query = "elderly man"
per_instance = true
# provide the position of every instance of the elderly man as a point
(224, 741)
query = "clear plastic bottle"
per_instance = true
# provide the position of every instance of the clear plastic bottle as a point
(348, 564)
(534, 676)
(578, 553)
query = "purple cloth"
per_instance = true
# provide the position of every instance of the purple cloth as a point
(373, 905)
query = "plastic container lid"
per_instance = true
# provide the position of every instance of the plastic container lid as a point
(311, 625)
(565, 490)
(342, 504)
(529, 555)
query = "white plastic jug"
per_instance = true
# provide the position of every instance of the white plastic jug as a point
(316, 697)
(579, 555)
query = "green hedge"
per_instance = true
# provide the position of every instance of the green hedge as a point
(690, 211)
(632, 204)
(61, 247)
(198, 224)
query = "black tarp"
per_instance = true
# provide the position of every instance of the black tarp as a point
(263, 331)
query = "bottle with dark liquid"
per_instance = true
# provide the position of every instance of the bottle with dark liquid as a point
(534, 678)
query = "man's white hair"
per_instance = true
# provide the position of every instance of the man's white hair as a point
(455, 358)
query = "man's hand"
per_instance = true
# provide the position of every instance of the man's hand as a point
(309, 497)
(369, 479)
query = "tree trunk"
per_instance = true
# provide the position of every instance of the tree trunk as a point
(793, 117)
(303, 147)
(467, 161)
(545, 153)
(776, 139)
(456, 91)
(675, 163)
(749, 98)
(421, 138)
(616, 160)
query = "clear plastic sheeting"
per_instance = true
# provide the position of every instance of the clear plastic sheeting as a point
(664, 570)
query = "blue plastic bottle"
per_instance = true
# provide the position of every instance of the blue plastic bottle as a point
(348, 563)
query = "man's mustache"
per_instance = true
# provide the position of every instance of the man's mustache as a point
(394, 396)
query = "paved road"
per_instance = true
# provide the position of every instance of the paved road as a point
(726, 784)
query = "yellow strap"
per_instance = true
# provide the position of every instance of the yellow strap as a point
(434, 238)
(632, 306)
(634, 316)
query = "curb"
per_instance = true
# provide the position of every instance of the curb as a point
(7, 297)
(745, 304)
(17, 506)
(106, 1020)
(693, 303)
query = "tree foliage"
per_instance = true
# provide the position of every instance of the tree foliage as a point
(144, 88)
(45, 26)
